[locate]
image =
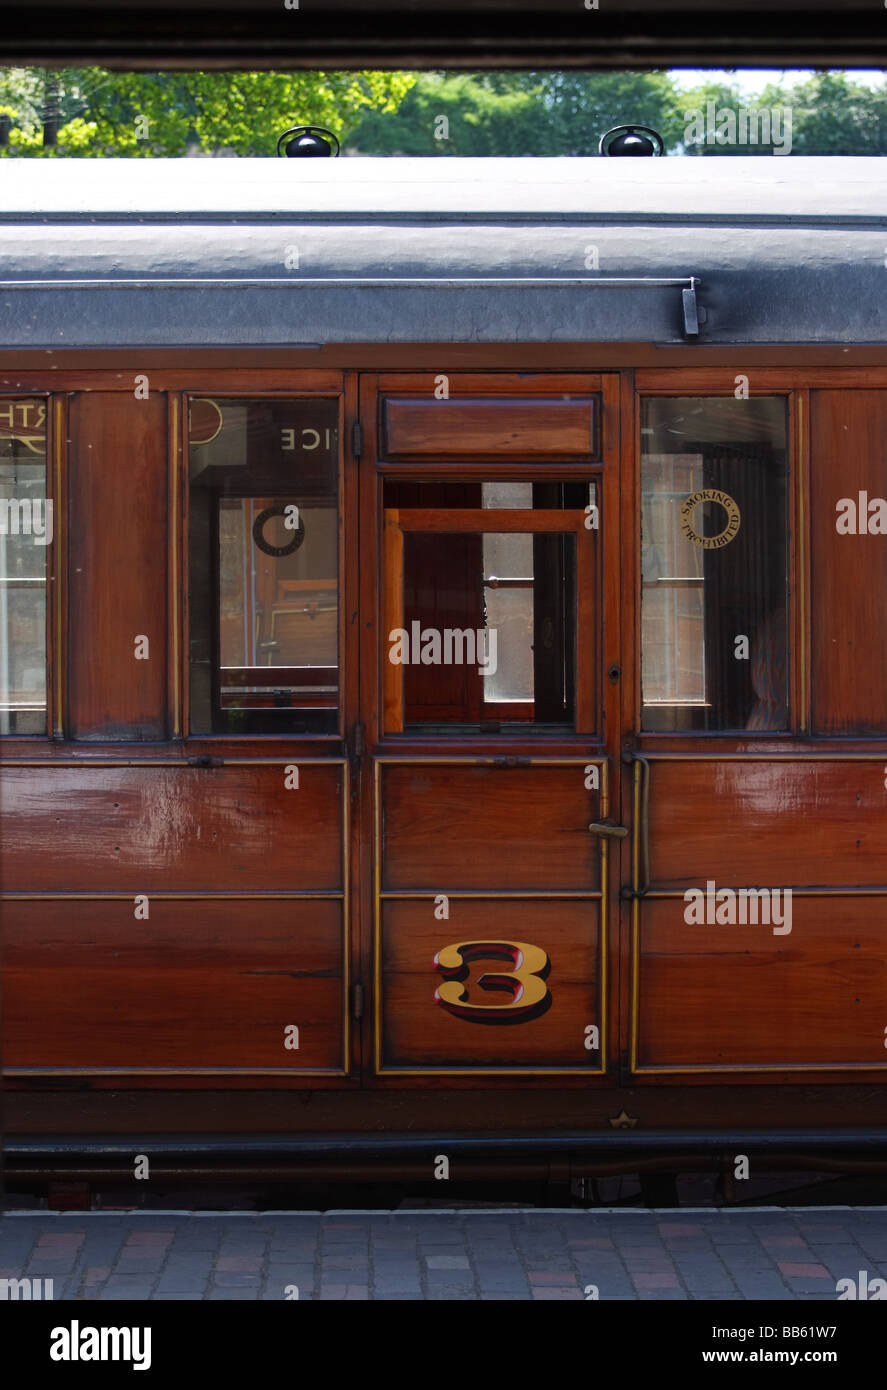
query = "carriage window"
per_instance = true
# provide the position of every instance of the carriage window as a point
(26, 529)
(715, 564)
(484, 616)
(263, 543)
(508, 595)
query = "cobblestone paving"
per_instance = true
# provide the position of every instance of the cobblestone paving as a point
(453, 1255)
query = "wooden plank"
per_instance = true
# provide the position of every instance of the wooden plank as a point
(519, 427)
(392, 613)
(488, 828)
(736, 995)
(257, 370)
(716, 379)
(117, 537)
(802, 822)
(490, 519)
(470, 381)
(418, 1031)
(199, 984)
(136, 829)
(849, 622)
(56, 605)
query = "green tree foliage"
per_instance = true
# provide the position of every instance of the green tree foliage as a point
(102, 113)
(21, 92)
(582, 107)
(176, 113)
(565, 113)
(692, 102)
(832, 114)
(827, 113)
(514, 114)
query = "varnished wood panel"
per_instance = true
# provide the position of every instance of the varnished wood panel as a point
(172, 829)
(848, 434)
(418, 1031)
(734, 995)
(658, 366)
(488, 828)
(528, 427)
(199, 984)
(704, 370)
(749, 822)
(117, 566)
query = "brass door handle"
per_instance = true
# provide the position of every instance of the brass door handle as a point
(606, 828)
(641, 871)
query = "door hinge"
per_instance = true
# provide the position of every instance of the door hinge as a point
(357, 1000)
(357, 439)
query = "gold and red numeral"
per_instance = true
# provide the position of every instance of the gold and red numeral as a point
(524, 984)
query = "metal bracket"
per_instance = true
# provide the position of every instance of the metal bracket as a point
(693, 312)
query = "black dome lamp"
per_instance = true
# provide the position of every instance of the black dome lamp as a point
(308, 142)
(632, 140)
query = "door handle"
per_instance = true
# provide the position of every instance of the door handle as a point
(641, 865)
(608, 829)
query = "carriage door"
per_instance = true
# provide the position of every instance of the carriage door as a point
(725, 805)
(491, 706)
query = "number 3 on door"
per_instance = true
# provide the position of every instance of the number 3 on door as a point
(524, 984)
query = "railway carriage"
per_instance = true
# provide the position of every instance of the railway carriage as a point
(444, 680)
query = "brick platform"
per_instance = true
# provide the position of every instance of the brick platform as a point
(452, 1255)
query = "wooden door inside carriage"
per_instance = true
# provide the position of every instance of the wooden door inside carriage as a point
(490, 686)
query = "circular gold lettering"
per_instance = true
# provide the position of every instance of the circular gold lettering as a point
(710, 494)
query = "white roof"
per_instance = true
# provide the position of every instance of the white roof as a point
(674, 188)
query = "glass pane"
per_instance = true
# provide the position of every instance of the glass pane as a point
(518, 495)
(264, 566)
(508, 582)
(476, 654)
(26, 529)
(509, 614)
(714, 625)
(510, 596)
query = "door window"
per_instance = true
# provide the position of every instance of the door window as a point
(714, 605)
(488, 587)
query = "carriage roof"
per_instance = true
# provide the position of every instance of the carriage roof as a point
(262, 252)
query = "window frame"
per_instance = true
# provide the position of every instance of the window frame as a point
(399, 522)
(324, 391)
(704, 383)
(54, 432)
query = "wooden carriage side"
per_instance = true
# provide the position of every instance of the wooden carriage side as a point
(244, 850)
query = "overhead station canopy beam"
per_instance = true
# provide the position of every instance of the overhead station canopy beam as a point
(471, 34)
